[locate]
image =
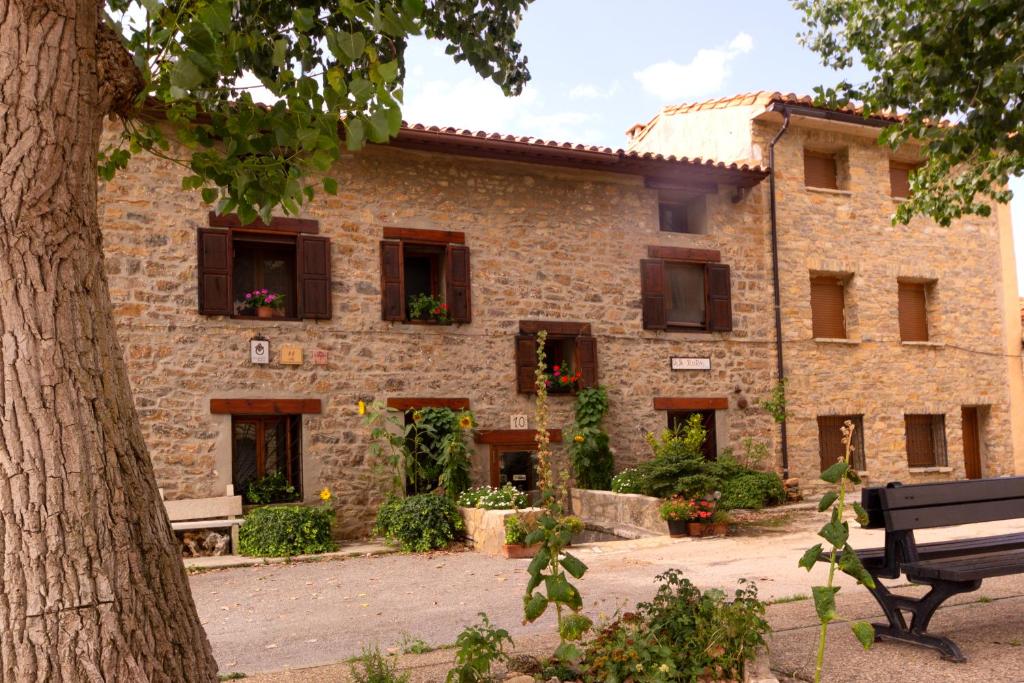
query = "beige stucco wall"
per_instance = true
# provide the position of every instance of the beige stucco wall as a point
(545, 243)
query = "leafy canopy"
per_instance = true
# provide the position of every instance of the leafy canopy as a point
(322, 62)
(958, 60)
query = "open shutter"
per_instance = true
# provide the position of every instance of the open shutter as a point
(214, 272)
(314, 277)
(392, 289)
(652, 293)
(719, 298)
(526, 363)
(457, 277)
(586, 360)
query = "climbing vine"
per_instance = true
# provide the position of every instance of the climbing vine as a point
(589, 453)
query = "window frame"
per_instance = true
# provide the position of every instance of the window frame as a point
(820, 156)
(654, 289)
(292, 421)
(817, 322)
(903, 286)
(908, 167)
(585, 349)
(453, 276)
(937, 437)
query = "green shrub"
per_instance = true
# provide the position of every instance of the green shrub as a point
(681, 635)
(590, 455)
(507, 497)
(283, 531)
(515, 530)
(273, 488)
(752, 490)
(419, 523)
(373, 667)
(477, 649)
(628, 481)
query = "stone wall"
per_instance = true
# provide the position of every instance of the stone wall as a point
(546, 243)
(614, 510)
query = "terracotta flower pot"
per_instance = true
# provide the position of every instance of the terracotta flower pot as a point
(518, 551)
(264, 312)
(701, 529)
(677, 528)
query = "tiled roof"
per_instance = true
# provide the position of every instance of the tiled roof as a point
(526, 148)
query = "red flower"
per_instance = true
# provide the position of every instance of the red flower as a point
(557, 368)
(564, 379)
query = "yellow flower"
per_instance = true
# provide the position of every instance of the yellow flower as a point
(466, 422)
(663, 668)
(362, 407)
(417, 416)
(579, 438)
(325, 495)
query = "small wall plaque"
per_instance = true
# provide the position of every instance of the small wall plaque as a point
(320, 357)
(685, 363)
(519, 422)
(291, 354)
(259, 350)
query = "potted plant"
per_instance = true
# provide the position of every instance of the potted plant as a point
(515, 547)
(707, 519)
(430, 309)
(563, 380)
(265, 303)
(677, 512)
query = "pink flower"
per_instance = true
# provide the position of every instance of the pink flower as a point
(270, 298)
(263, 291)
(248, 296)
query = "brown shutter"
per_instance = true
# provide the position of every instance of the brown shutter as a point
(314, 288)
(392, 288)
(828, 319)
(719, 298)
(526, 363)
(457, 283)
(899, 179)
(830, 441)
(652, 294)
(215, 272)
(913, 311)
(820, 170)
(586, 360)
(920, 441)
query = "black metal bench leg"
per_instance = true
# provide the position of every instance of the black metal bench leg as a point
(922, 610)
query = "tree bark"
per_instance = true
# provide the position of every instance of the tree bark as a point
(93, 587)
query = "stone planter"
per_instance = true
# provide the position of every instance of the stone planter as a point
(610, 510)
(700, 529)
(485, 529)
(677, 528)
(518, 551)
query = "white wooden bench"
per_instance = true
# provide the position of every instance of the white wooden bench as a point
(207, 513)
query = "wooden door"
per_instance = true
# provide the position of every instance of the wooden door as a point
(972, 445)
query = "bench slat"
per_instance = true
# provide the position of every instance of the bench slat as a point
(203, 508)
(940, 549)
(951, 493)
(207, 524)
(972, 568)
(952, 515)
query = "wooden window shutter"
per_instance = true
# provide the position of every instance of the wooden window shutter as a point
(652, 294)
(586, 360)
(214, 272)
(392, 288)
(920, 441)
(526, 363)
(314, 256)
(830, 441)
(457, 283)
(913, 311)
(899, 179)
(719, 298)
(820, 170)
(828, 317)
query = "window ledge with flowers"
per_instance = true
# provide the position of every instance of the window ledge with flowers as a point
(261, 303)
(428, 310)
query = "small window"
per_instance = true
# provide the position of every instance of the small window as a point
(830, 441)
(820, 170)
(828, 307)
(682, 214)
(264, 263)
(267, 446)
(899, 178)
(570, 350)
(686, 294)
(679, 418)
(425, 279)
(926, 440)
(681, 293)
(913, 311)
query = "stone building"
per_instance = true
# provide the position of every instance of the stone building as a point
(515, 235)
(912, 331)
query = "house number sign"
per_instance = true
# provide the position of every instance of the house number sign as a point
(683, 363)
(519, 422)
(259, 350)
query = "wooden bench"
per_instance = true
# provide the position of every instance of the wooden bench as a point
(949, 567)
(223, 512)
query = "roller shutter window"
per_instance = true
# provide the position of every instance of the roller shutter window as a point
(820, 170)
(828, 307)
(913, 312)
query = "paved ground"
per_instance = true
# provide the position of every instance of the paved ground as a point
(291, 616)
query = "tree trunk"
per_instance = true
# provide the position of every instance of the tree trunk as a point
(93, 584)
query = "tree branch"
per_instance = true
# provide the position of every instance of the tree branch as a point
(119, 80)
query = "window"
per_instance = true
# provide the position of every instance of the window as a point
(913, 311)
(679, 418)
(685, 289)
(266, 445)
(678, 212)
(277, 257)
(828, 314)
(899, 178)
(830, 441)
(820, 170)
(926, 440)
(424, 263)
(570, 346)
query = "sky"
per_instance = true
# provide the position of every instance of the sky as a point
(599, 66)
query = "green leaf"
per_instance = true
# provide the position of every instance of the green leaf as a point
(825, 602)
(539, 562)
(850, 564)
(217, 17)
(330, 185)
(388, 70)
(862, 514)
(350, 45)
(534, 606)
(574, 626)
(836, 533)
(304, 19)
(560, 590)
(865, 633)
(827, 500)
(568, 653)
(185, 74)
(280, 51)
(355, 134)
(573, 566)
(836, 472)
(810, 558)
(152, 7)
(209, 194)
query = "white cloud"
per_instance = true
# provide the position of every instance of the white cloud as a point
(588, 91)
(703, 75)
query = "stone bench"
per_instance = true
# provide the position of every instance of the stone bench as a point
(223, 512)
